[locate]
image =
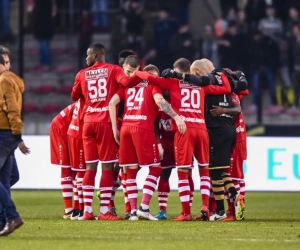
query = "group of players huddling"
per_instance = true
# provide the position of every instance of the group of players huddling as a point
(129, 119)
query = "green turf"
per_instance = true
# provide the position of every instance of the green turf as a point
(272, 222)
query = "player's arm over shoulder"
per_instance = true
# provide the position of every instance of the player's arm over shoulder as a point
(219, 85)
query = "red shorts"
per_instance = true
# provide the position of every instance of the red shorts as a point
(138, 146)
(194, 142)
(99, 143)
(59, 147)
(237, 159)
(76, 153)
(169, 156)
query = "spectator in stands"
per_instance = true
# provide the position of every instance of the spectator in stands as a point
(292, 20)
(100, 14)
(85, 32)
(242, 22)
(209, 46)
(133, 17)
(44, 12)
(182, 44)
(271, 25)
(5, 31)
(264, 61)
(230, 49)
(296, 67)
(184, 13)
(255, 11)
(164, 29)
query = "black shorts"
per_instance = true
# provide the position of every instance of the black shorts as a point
(221, 143)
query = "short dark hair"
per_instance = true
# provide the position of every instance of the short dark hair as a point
(123, 54)
(151, 67)
(133, 61)
(97, 47)
(182, 64)
(2, 61)
(4, 50)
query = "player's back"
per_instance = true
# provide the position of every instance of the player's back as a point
(76, 123)
(188, 102)
(99, 83)
(140, 108)
(63, 119)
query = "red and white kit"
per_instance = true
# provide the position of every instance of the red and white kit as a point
(58, 137)
(75, 138)
(239, 152)
(138, 144)
(98, 84)
(166, 139)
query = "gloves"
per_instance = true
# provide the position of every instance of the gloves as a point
(238, 74)
(171, 73)
(161, 151)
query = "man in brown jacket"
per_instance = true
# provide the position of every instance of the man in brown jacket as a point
(11, 89)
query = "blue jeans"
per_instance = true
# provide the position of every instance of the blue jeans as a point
(4, 17)
(45, 52)
(15, 176)
(8, 144)
(269, 75)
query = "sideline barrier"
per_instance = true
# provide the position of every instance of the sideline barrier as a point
(272, 165)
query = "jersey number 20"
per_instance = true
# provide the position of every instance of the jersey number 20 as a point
(190, 98)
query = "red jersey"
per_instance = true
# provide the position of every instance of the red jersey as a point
(187, 100)
(97, 84)
(140, 108)
(76, 124)
(239, 122)
(165, 122)
(63, 119)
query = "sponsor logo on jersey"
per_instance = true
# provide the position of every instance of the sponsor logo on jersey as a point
(240, 129)
(72, 126)
(135, 117)
(198, 111)
(142, 84)
(96, 73)
(192, 119)
(62, 113)
(95, 110)
(186, 85)
(223, 104)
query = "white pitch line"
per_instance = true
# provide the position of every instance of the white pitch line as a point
(259, 240)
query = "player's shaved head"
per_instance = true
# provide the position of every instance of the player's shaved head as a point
(182, 65)
(95, 53)
(123, 54)
(131, 64)
(152, 68)
(201, 67)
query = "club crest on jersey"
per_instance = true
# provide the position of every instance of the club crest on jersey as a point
(186, 85)
(166, 124)
(142, 84)
(96, 73)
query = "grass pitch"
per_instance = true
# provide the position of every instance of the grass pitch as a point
(272, 222)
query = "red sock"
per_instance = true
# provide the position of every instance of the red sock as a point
(127, 204)
(67, 188)
(132, 189)
(242, 187)
(116, 185)
(184, 191)
(150, 186)
(212, 201)
(192, 188)
(88, 187)
(106, 188)
(79, 179)
(204, 186)
(163, 193)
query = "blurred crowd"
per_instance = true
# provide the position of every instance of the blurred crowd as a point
(260, 37)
